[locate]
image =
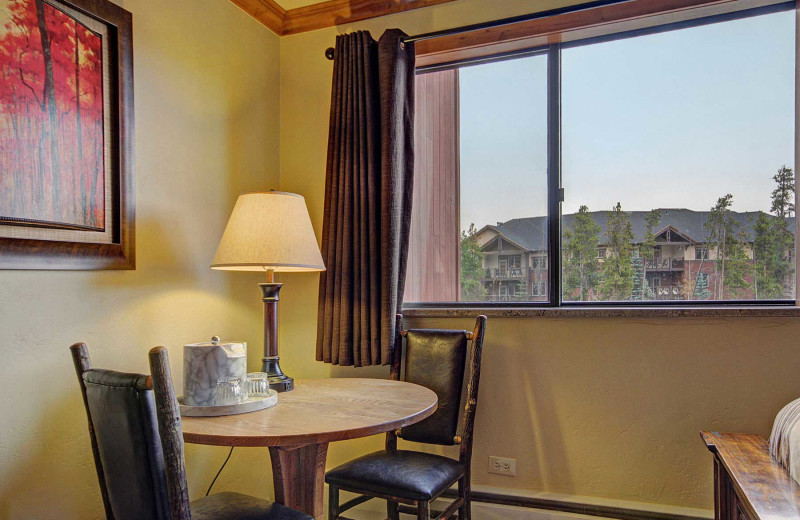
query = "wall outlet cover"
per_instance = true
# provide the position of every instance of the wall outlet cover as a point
(503, 466)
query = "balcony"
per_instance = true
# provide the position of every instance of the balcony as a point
(669, 292)
(506, 273)
(665, 264)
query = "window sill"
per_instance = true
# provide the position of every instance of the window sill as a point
(776, 311)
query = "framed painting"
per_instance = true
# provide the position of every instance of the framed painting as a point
(66, 129)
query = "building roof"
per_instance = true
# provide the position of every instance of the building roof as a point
(531, 232)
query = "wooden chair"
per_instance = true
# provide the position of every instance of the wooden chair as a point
(137, 442)
(436, 359)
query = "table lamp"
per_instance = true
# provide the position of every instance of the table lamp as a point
(269, 231)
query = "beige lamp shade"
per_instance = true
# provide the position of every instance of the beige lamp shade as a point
(269, 230)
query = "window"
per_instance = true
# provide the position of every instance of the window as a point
(513, 262)
(674, 149)
(700, 253)
(539, 289)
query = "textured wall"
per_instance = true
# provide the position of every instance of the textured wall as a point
(607, 408)
(206, 129)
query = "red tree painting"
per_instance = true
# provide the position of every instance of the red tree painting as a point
(51, 117)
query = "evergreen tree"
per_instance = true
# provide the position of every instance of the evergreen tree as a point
(639, 290)
(731, 264)
(701, 291)
(773, 242)
(719, 226)
(472, 288)
(738, 268)
(617, 269)
(581, 268)
(768, 259)
(783, 194)
(783, 208)
(648, 248)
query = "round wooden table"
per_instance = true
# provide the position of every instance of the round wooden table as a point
(298, 429)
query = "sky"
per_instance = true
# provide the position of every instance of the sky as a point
(670, 120)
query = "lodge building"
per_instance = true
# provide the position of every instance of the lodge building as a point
(516, 266)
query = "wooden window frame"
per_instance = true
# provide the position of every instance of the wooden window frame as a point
(610, 21)
(549, 35)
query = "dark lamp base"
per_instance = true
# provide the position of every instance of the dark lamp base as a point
(278, 381)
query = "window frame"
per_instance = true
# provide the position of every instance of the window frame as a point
(555, 192)
(701, 252)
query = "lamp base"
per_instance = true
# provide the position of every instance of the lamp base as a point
(278, 381)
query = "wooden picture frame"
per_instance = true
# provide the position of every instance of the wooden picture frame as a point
(100, 233)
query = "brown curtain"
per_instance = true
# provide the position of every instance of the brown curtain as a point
(368, 188)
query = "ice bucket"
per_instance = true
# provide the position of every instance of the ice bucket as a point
(205, 363)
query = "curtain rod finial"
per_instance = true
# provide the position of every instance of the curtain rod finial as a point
(329, 53)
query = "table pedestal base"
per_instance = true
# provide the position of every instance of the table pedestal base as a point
(299, 477)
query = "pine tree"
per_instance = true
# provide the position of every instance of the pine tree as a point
(701, 291)
(617, 269)
(783, 194)
(738, 266)
(581, 268)
(472, 288)
(773, 242)
(648, 248)
(639, 290)
(768, 257)
(731, 264)
(783, 208)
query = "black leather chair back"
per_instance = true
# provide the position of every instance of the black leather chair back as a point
(436, 359)
(123, 413)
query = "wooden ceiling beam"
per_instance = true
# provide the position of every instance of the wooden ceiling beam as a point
(325, 14)
(338, 12)
(267, 12)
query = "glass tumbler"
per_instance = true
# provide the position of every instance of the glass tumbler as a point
(229, 391)
(257, 384)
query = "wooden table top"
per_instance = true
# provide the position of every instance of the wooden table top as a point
(319, 411)
(764, 487)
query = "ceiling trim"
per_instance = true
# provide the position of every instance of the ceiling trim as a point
(267, 12)
(325, 14)
(338, 12)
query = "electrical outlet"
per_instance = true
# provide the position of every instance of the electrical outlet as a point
(503, 466)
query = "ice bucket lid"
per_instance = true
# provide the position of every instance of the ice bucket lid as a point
(232, 347)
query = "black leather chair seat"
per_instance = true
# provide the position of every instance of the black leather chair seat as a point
(405, 474)
(234, 506)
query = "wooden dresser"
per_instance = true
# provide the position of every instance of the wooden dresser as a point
(748, 484)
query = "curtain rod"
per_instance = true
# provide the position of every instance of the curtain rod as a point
(329, 52)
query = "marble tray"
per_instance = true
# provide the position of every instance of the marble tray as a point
(251, 405)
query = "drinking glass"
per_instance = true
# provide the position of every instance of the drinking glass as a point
(257, 384)
(229, 391)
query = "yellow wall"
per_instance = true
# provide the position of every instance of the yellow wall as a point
(207, 124)
(606, 408)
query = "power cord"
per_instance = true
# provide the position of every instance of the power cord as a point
(220, 471)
